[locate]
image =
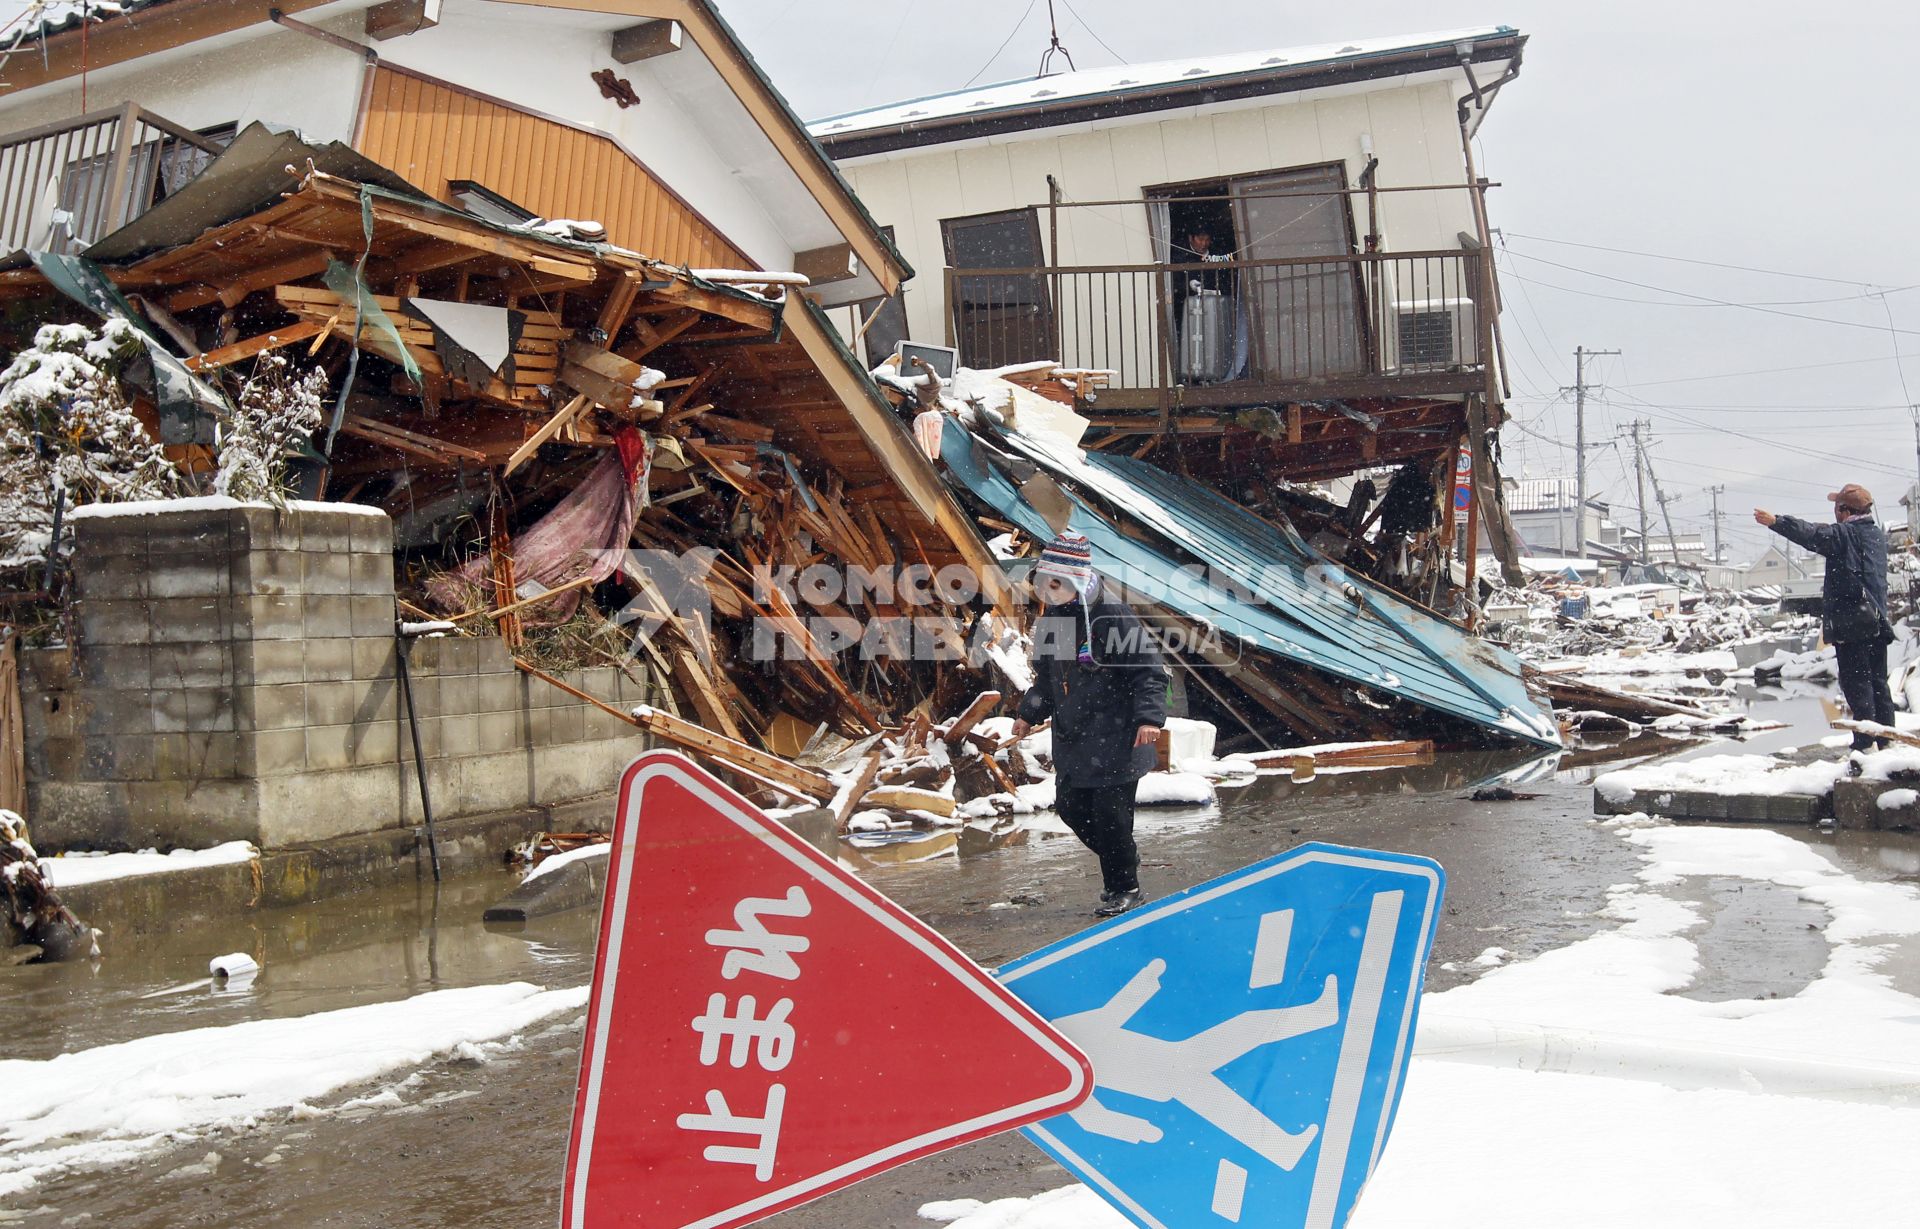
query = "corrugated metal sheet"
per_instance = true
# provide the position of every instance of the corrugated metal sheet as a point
(1296, 603)
(431, 132)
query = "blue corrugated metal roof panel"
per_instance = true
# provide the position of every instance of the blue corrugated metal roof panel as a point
(1301, 610)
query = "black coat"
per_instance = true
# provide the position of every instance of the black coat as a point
(1844, 543)
(1096, 707)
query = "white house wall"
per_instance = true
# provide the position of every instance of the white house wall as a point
(537, 59)
(263, 73)
(1412, 124)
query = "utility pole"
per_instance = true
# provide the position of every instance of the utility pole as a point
(1640, 478)
(1913, 514)
(1717, 492)
(1580, 356)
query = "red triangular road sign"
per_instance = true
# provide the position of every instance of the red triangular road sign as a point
(765, 1028)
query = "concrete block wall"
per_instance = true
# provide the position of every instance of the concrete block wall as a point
(232, 675)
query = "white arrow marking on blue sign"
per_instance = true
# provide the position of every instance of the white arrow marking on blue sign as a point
(1270, 949)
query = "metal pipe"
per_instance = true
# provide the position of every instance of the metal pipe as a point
(401, 641)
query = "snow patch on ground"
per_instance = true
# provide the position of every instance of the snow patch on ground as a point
(116, 1103)
(1592, 1152)
(73, 869)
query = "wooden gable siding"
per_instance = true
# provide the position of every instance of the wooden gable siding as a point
(431, 132)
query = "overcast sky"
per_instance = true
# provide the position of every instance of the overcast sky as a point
(1774, 136)
(1770, 135)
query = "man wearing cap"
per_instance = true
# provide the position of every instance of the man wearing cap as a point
(1102, 681)
(1853, 606)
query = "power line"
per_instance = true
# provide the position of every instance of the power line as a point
(1028, 12)
(1769, 371)
(1090, 30)
(1687, 260)
(1815, 453)
(1753, 307)
(1617, 298)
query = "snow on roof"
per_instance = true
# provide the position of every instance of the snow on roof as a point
(1542, 494)
(1130, 79)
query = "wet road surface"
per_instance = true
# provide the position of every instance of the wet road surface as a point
(482, 1145)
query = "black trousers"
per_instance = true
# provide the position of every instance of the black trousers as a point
(1102, 817)
(1863, 681)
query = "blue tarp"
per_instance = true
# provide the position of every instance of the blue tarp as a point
(1263, 584)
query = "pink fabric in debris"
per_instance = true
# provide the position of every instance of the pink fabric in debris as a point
(586, 533)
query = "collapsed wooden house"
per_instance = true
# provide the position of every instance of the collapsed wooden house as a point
(661, 369)
(758, 431)
(485, 355)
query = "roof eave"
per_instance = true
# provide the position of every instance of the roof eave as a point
(1173, 96)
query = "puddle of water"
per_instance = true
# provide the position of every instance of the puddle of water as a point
(372, 946)
(1761, 941)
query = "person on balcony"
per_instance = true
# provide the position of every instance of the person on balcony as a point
(1203, 307)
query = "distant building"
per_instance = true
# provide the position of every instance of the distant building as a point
(1780, 566)
(1542, 512)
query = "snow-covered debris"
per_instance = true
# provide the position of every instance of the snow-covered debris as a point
(547, 866)
(1174, 789)
(1815, 664)
(1745, 775)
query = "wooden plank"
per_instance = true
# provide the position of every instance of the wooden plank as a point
(861, 784)
(547, 431)
(762, 763)
(970, 716)
(715, 303)
(227, 355)
(619, 305)
(387, 433)
(1869, 727)
(231, 290)
(655, 335)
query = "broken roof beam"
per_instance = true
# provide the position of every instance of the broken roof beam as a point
(741, 309)
(227, 355)
(235, 288)
(608, 379)
(536, 255)
(654, 334)
(377, 431)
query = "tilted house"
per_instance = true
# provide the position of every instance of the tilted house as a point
(1341, 313)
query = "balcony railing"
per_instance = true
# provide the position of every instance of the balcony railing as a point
(65, 186)
(1237, 331)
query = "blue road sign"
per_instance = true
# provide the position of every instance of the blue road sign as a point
(1249, 1038)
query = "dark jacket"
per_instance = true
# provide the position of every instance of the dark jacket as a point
(1096, 707)
(1859, 540)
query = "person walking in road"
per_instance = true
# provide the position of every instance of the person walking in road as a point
(1103, 683)
(1853, 610)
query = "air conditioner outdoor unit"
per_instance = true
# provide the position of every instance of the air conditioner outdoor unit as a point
(1435, 334)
